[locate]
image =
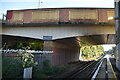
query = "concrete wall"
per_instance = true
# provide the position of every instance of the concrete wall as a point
(65, 55)
(64, 52)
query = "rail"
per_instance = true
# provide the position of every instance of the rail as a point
(87, 70)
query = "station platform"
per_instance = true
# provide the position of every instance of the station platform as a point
(105, 70)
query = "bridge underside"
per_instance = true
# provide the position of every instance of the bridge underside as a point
(65, 50)
(73, 41)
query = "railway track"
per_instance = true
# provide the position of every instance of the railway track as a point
(83, 70)
(74, 69)
(86, 70)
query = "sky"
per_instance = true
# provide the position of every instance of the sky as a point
(108, 46)
(31, 4)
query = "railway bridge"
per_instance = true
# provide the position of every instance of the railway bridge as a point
(63, 30)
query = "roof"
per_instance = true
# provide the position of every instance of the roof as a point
(63, 8)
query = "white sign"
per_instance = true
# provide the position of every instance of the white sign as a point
(27, 73)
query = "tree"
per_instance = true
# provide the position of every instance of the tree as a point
(92, 51)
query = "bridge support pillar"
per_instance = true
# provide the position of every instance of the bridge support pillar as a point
(48, 46)
(62, 53)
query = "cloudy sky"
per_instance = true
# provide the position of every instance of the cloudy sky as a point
(28, 4)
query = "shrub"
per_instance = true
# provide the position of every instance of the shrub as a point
(47, 70)
(38, 72)
(12, 67)
(47, 67)
(27, 60)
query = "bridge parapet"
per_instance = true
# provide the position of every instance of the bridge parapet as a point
(61, 15)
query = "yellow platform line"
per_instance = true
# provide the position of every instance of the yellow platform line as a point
(113, 70)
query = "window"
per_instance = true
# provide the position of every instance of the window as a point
(45, 15)
(83, 14)
(18, 16)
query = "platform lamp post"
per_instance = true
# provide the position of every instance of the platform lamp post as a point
(117, 22)
(39, 2)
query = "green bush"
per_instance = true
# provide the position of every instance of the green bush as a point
(27, 59)
(38, 72)
(47, 70)
(12, 67)
(47, 67)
